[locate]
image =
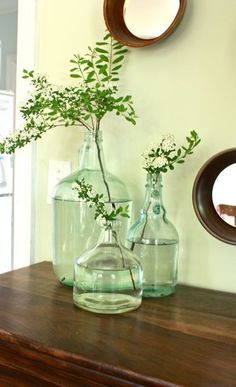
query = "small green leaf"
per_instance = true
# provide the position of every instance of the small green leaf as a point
(121, 52)
(119, 59)
(90, 75)
(89, 80)
(117, 45)
(101, 43)
(104, 58)
(101, 50)
(130, 119)
(106, 79)
(179, 152)
(116, 67)
(107, 37)
(127, 98)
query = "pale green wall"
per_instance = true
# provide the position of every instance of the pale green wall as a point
(186, 82)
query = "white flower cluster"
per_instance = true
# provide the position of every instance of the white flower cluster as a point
(21, 137)
(156, 156)
(159, 161)
(17, 139)
(168, 142)
(154, 162)
(101, 220)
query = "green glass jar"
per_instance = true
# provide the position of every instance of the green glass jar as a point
(74, 227)
(155, 241)
(108, 277)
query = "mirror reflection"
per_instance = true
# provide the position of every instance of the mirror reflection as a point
(224, 195)
(149, 19)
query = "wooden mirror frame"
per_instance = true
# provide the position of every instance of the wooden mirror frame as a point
(114, 19)
(202, 196)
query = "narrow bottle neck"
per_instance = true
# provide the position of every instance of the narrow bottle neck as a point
(110, 233)
(91, 154)
(153, 203)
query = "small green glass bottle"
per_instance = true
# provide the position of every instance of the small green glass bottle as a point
(74, 227)
(108, 277)
(155, 241)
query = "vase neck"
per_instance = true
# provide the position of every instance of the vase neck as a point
(91, 153)
(110, 233)
(153, 203)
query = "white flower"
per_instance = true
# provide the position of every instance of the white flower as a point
(7, 147)
(92, 194)
(150, 149)
(168, 142)
(23, 135)
(34, 132)
(101, 220)
(38, 121)
(159, 162)
(75, 186)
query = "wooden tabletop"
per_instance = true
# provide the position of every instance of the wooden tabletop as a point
(186, 339)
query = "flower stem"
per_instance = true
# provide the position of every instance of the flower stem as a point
(101, 166)
(145, 224)
(109, 195)
(122, 257)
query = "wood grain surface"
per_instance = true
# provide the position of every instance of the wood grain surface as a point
(187, 339)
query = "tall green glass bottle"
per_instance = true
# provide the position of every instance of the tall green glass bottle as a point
(74, 227)
(155, 241)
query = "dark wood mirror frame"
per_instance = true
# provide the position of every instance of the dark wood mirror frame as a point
(202, 196)
(114, 19)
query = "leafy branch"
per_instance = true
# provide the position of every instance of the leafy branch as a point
(85, 104)
(102, 215)
(163, 156)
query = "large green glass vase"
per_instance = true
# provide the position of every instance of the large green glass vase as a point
(74, 227)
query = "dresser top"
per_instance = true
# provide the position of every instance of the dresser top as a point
(185, 339)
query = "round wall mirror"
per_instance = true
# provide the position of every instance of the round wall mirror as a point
(214, 196)
(139, 23)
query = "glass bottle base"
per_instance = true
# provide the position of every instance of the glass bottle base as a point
(158, 291)
(113, 303)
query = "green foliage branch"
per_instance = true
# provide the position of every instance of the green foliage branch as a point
(84, 104)
(103, 216)
(163, 156)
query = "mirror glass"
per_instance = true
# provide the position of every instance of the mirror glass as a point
(214, 195)
(150, 18)
(224, 194)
